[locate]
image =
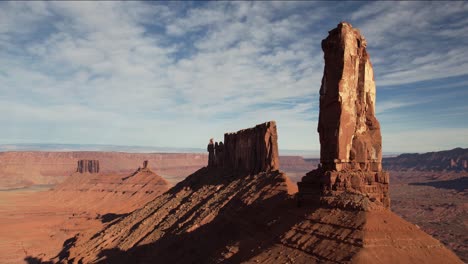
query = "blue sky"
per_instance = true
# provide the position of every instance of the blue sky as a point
(176, 74)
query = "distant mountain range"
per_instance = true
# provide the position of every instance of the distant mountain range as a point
(448, 160)
(315, 154)
(132, 149)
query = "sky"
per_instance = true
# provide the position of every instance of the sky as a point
(174, 74)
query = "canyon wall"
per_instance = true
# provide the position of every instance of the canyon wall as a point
(455, 160)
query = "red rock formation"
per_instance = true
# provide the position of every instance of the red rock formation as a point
(455, 160)
(350, 139)
(219, 154)
(253, 150)
(211, 153)
(349, 131)
(145, 164)
(88, 166)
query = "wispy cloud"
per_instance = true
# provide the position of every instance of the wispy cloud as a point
(145, 73)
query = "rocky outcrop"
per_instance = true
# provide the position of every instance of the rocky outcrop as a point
(251, 150)
(145, 164)
(349, 131)
(211, 153)
(110, 192)
(218, 216)
(350, 139)
(88, 166)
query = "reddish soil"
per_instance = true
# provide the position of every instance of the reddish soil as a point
(20, 169)
(37, 222)
(435, 201)
(259, 223)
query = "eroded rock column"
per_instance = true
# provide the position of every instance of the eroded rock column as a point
(350, 139)
(88, 166)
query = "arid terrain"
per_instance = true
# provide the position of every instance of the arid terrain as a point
(63, 203)
(38, 219)
(242, 202)
(22, 169)
(42, 220)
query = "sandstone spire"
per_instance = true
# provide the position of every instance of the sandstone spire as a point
(349, 131)
(350, 139)
(88, 166)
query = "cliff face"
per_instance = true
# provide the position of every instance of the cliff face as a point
(88, 166)
(350, 139)
(252, 150)
(449, 160)
(349, 131)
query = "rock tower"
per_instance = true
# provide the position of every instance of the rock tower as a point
(252, 150)
(88, 166)
(350, 139)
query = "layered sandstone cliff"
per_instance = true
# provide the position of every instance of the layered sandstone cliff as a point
(454, 160)
(252, 150)
(350, 139)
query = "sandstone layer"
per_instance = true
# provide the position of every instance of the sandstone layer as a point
(215, 216)
(109, 192)
(40, 223)
(454, 160)
(20, 169)
(251, 150)
(233, 216)
(350, 138)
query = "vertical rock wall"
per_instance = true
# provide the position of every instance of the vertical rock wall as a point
(88, 166)
(252, 150)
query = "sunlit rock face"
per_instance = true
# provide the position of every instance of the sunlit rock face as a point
(252, 150)
(350, 139)
(349, 131)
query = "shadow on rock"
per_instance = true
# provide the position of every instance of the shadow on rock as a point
(111, 217)
(240, 231)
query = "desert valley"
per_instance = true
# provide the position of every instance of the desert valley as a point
(44, 214)
(242, 201)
